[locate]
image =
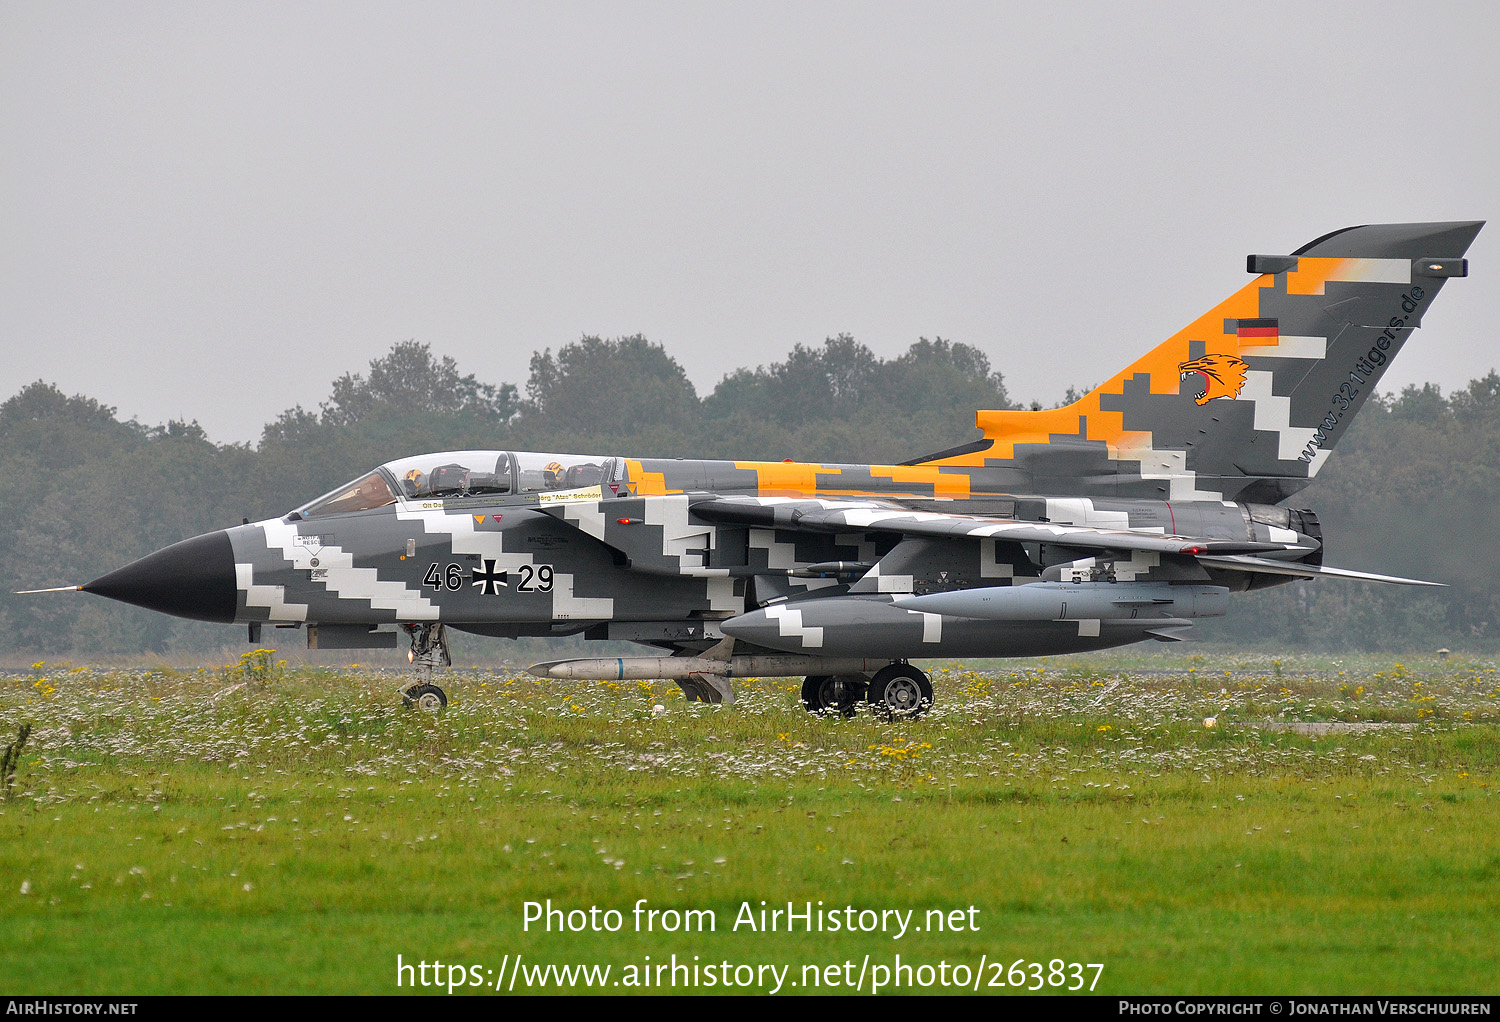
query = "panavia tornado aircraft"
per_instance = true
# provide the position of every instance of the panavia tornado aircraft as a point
(1124, 516)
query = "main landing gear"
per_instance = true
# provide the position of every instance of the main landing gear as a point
(429, 650)
(897, 690)
(834, 693)
(900, 690)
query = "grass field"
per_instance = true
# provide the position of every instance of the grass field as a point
(260, 829)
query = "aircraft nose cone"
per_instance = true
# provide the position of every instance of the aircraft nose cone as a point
(193, 579)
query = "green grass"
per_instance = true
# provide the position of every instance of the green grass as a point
(175, 833)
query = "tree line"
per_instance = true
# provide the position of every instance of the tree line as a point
(1408, 491)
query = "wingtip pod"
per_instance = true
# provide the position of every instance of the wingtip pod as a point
(1246, 402)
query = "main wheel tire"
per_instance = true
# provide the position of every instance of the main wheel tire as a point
(425, 697)
(900, 690)
(817, 693)
(820, 693)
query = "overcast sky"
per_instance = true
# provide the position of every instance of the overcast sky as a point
(209, 211)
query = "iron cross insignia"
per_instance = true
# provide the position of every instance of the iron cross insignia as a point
(489, 581)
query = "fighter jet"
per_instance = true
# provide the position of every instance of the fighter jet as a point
(1125, 516)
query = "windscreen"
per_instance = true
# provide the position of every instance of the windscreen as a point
(363, 494)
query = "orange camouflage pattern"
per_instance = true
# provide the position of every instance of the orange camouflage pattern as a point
(1129, 436)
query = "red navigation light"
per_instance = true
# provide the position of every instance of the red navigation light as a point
(1195, 550)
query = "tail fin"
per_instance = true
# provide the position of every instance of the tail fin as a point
(1247, 401)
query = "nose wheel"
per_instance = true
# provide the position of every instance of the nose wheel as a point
(425, 697)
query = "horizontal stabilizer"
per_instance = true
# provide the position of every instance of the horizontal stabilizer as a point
(1266, 567)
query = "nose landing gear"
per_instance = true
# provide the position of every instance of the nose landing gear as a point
(429, 650)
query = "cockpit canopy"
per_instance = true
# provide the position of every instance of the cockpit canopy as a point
(461, 475)
(452, 474)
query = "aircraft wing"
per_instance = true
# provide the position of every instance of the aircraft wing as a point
(1269, 567)
(828, 515)
(884, 516)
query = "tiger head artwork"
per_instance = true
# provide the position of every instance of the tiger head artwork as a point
(1223, 376)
